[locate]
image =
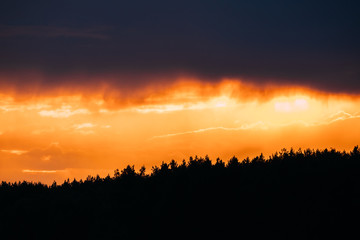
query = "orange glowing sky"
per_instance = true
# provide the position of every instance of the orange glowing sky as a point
(88, 87)
(74, 133)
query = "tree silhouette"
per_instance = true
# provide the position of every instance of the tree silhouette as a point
(302, 194)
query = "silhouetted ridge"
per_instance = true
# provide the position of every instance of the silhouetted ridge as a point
(310, 194)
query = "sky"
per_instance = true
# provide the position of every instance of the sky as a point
(90, 86)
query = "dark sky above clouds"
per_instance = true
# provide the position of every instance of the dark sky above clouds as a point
(310, 43)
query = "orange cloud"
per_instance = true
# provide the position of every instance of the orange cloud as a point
(17, 152)
(76, 132)
(158, 92)
(62, 113)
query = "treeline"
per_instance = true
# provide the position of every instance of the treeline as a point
(293, 194)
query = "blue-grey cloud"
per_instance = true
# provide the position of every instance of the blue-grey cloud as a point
(311, 43)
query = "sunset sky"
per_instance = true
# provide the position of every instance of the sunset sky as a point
(90, 86)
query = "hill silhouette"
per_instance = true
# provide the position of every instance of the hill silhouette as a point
(303, 194)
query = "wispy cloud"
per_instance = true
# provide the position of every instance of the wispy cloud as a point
(86, 132)
(214, 103)
(46, 158)
(41, 171)
(63, 112)
(258, 125)
(84, 125)
(339, 116)
(333, 118)
(84, 128)
(159, 108)
(14, 151)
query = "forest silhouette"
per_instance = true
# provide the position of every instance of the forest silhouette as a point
(293, 194)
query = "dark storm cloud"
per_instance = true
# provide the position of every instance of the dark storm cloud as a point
(311, 43)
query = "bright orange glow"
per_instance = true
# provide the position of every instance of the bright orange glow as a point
(298, 104)
(74, 133)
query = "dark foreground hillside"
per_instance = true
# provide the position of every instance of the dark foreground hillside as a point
(292, 195)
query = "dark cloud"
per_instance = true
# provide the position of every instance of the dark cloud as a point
(311, 43)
